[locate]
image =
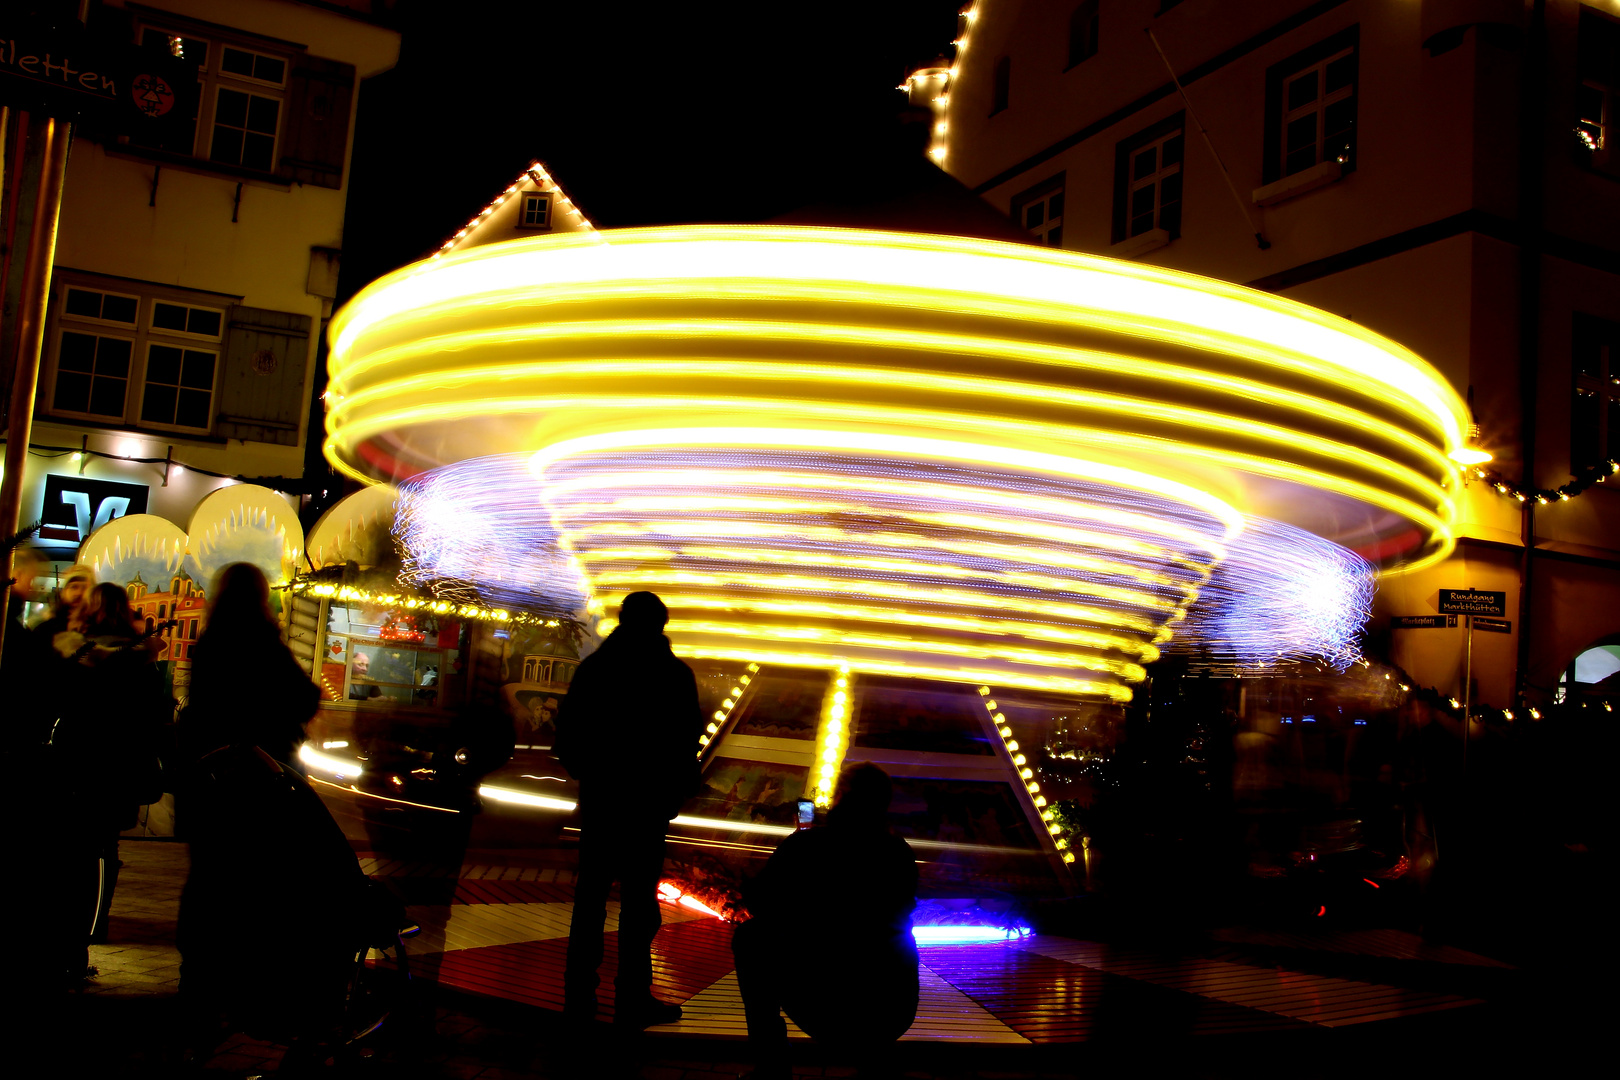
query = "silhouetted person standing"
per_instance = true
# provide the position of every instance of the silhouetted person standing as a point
(628, 732)
(830, 940)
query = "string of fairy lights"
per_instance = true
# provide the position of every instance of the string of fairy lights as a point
(1584, 478)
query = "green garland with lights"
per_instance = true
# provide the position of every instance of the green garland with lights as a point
(1592, 474)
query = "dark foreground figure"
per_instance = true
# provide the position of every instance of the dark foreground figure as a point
(830, 939)
(628, 732)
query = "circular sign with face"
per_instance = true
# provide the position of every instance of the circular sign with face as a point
(153, 94)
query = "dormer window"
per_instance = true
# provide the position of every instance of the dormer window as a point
(536, 210)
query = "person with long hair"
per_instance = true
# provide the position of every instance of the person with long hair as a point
(264, 850)
(246, 687)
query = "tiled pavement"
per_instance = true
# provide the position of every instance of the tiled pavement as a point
(1270, 1015)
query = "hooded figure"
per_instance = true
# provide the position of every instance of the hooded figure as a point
(829, 939)
(628, 732)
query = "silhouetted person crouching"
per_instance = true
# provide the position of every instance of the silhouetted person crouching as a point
(628, 732)
(829, 941)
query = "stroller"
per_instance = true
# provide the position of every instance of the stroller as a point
(268, 861)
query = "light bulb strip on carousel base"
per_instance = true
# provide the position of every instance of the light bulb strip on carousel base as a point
(733, 700)
(1027, 776)
(906, 455)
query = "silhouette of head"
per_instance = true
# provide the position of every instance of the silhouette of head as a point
(864, 792)
(643, 613)
(239, 601)
(109, 611)
(77, 582)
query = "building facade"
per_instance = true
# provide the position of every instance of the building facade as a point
(194, 273)
(1443, 172)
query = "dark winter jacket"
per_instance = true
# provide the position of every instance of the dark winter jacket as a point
(108, 729)
(247, 690)
(631, 721)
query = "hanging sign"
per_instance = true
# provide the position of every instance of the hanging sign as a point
(64, 70)
(1472, 602)
(1493, 626)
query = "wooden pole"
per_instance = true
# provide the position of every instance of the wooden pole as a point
(54, 137)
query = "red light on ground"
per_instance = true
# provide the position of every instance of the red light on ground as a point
(1321, 911)
(1370, 881)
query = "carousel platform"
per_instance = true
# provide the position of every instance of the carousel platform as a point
(501, 932)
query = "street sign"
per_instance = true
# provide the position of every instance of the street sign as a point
(67, 71)
(1472, 602)
(1421, 622)
(1493, 626)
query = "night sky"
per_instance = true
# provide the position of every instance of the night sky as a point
(646, 113)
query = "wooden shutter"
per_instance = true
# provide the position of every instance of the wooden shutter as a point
(319, 95)
(262, 394)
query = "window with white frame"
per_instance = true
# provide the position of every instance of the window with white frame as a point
(536, 210)
(1039, 211)
(1595, 414)
(242, 99)
(1153, 191)
(133, 358)
(1319, 113)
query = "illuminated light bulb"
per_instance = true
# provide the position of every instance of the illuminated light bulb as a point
(703, 740)
(1053, 830)
(1032, 788)
(1006, 733)
(736, 691)
(1535, 714)
(75, 457)
(744, 680)
(984, 691)
(1068, 856)
(1040, 800)
(1027, 774)
(1013, 746)
(840, 697)
(830, 754)
(999, 718)
(714, 729)
(719, 715)
(1019, 759)
(991, 705)
(728, 703)
(1048, 816)
(1062, 845)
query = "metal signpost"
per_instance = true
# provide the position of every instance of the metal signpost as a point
(1469, 603)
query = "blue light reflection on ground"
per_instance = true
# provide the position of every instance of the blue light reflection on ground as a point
(966, 935)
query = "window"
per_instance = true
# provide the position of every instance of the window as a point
(179, 386)
(1040, 211)
(92, 375)
(1154, 197)
(536, 210)
(1592, 116)
(1311, 108)
(1001, 87)
(1148, 180)
(1083, 24)
(241, 103)
(1595, 416)
(127, 359)
(245, 129)
(1598, 72)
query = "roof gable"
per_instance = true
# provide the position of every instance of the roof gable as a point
(510, 214)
